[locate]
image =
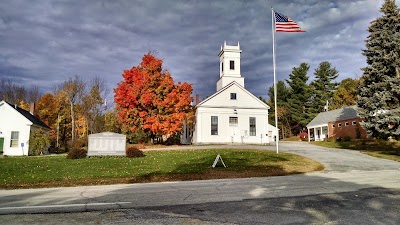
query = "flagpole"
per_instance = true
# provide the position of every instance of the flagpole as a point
(275, 94)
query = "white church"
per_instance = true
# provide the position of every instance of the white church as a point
(232, 115)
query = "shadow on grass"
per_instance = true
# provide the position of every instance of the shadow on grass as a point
(238, 166)
(175, 166)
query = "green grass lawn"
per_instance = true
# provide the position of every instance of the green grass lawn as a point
(376, 148)
(53, 171)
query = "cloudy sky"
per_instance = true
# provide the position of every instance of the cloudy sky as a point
(45, 42)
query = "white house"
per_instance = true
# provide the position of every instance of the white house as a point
(15, 127)
(232, 114)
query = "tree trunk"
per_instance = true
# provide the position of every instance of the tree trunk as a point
(58, 129)
(72, 123)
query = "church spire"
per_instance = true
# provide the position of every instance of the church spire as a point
(229, 57)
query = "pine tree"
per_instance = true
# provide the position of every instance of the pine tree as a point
(282, 108)
(323, 86)
(298, 102)
(379, 91)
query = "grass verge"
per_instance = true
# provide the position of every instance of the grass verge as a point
(377, 148)
(55, 171)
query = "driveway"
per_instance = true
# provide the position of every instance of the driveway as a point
(353, 184)
(335, 160)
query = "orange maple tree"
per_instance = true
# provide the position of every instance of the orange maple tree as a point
(149, 100)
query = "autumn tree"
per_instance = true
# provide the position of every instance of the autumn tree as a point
(53, 110)
(93, 104)
(149, 100)
(345, 94)
(17, 94)
(74, 89)
(111, 122)
(46, 109)
(379, 91)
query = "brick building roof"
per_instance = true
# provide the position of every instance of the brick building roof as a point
(345, 113)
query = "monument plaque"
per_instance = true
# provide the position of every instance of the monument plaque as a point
(106, 143)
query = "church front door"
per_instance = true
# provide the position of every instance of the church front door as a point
(234, 134)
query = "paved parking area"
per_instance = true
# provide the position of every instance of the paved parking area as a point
(354, 189)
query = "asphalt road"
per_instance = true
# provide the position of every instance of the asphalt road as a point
(353, 189)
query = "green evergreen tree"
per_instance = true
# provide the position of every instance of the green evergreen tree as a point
(283, 111)
(323, 86)
(298, 101)
(282, 93)
(379, 91)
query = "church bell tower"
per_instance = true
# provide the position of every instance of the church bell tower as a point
(229, 63)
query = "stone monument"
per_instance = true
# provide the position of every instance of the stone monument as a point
(106, 143)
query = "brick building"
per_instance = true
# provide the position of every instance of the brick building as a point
(338, 123)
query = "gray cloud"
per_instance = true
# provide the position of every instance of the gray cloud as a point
(45, 42)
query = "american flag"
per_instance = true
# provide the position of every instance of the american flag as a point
(285, 24)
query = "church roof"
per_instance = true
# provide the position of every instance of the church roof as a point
(233, 83)
(345, 113)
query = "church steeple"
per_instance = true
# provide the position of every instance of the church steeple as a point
(229, 58)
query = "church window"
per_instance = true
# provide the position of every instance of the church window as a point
(233, 96)
(233, 121)
(214, 125)
(222, 67)
(232, 65)
(252, 126)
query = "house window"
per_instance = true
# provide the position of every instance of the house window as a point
(14, 139)
(232, 65)
(339, 125)
(333, 125)
(214, 125)
(346, 124)
(252, 126)
(233, 121)
(233, 96)
(354, 123)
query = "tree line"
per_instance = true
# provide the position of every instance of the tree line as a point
(150, 106)
(73, 109)
(376, 93)
(298, 101)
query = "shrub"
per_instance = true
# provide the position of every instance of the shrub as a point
(39, 142)
(304, 136)
(137, 137)
(133, 152)
(76, 153)
(346, 138)
(358, 131)
(57, 150)
(330, 139)
(78, 143)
